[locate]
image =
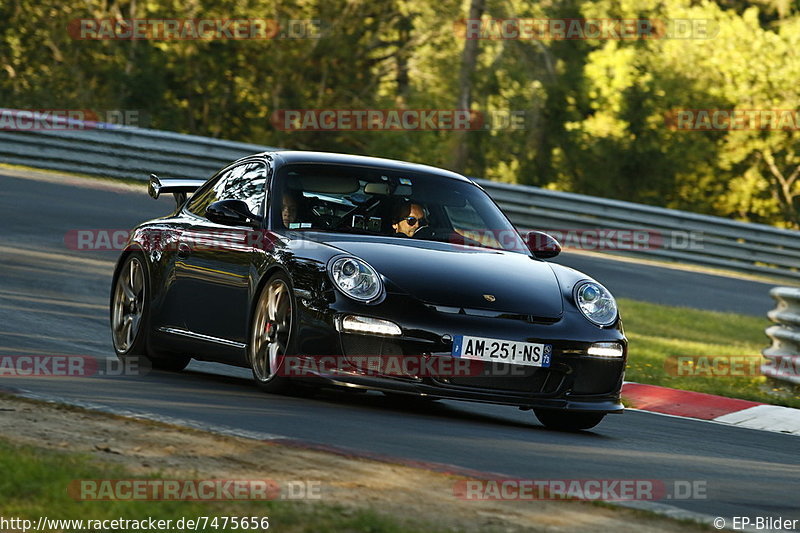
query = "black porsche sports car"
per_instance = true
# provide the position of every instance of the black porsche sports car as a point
(320, 269)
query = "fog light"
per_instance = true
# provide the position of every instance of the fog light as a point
(373, 326)
(606, 349)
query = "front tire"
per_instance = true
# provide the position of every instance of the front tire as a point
(568, 421)
(272, 335)
(130, 317)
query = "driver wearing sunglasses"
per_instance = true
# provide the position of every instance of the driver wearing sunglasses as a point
(408, 218)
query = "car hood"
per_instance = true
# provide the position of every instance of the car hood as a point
(450, 275)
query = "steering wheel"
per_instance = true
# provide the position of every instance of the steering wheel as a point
(425, 232)
(360, 208)
(324, 221)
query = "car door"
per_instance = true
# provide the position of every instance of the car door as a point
(213, 270)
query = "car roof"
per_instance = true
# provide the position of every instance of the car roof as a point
(297, 156)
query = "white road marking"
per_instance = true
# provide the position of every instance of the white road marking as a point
(765, 417)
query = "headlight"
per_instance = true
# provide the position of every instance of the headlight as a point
(596, 303)
(356, 279)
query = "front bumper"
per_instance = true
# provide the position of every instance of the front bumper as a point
(574, 381)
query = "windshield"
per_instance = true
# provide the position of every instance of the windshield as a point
(377, 201)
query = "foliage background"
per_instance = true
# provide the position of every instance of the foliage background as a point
(594, 109)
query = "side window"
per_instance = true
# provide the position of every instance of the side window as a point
(467, 222)
(205, 197)
(245, 182)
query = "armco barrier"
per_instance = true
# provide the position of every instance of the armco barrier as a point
(131, 153)
(784, 354)
(722, 243)
(134, 153)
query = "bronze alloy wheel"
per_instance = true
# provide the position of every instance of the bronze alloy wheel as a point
(271, 333)
(129, 319)
(128, 305)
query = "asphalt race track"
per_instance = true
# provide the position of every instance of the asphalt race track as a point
(55, 301)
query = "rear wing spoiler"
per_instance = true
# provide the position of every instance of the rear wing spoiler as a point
(179, 187)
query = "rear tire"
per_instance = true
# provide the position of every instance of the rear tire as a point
(568, 421)
(130, 318)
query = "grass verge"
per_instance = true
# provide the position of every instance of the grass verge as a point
(34, 481)
(658, 332)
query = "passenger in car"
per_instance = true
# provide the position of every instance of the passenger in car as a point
(291, 205)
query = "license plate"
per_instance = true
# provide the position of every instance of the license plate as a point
(502, 351)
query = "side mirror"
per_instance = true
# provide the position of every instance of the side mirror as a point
(542, 245)
(231, 213)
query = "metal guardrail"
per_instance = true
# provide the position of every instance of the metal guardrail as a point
(670, 234)
(101, 149)
(134, 153)
(783, 357)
